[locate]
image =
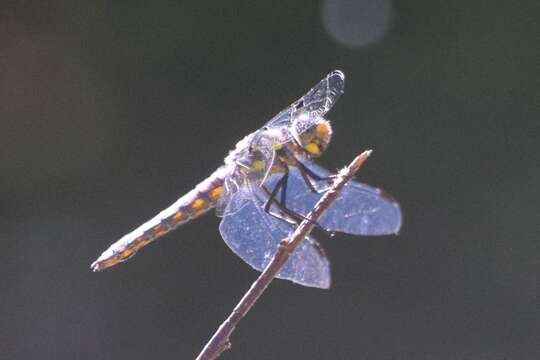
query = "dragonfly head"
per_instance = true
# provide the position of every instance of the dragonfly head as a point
(313, 137)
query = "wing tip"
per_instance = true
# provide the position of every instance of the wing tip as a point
(336, 81)
(392, 200)
(400, 218)
(337, 73)
(324, 283)
(327, 285)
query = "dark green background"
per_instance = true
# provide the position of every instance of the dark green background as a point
(110, 110)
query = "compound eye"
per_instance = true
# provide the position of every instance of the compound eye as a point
(316, 138)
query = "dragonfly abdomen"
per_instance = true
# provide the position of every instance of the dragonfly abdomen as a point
(192, 205)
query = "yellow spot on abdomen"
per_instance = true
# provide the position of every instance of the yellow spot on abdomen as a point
(198, 203)
(313, 149)
(125, 254)
(216, 192)
(159, 230)
(178, 215)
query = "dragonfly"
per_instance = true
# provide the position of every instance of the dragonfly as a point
(266, 186)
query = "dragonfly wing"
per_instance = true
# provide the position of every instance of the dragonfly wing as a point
(316, 102)
(360, 209)
(230, 187)
(324, 95)
(254, 236)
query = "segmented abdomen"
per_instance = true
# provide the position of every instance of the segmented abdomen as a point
(195, 203)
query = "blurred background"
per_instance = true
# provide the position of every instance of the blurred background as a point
(109, 111)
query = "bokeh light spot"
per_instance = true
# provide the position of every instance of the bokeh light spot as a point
(357, 23)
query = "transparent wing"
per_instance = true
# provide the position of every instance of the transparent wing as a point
(317, 102)
(360, 209)
(230, 187)
(254, 236)
(238, 179)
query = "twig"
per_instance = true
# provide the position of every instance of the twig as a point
(220, 340)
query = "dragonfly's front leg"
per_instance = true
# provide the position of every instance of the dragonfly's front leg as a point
(285, 214)
(308, 175)
(281, 184)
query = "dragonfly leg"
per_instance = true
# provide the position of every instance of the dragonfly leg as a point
(284, 187)
(285, 214)
(306, 178)
(308, 175)
(282, 183)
